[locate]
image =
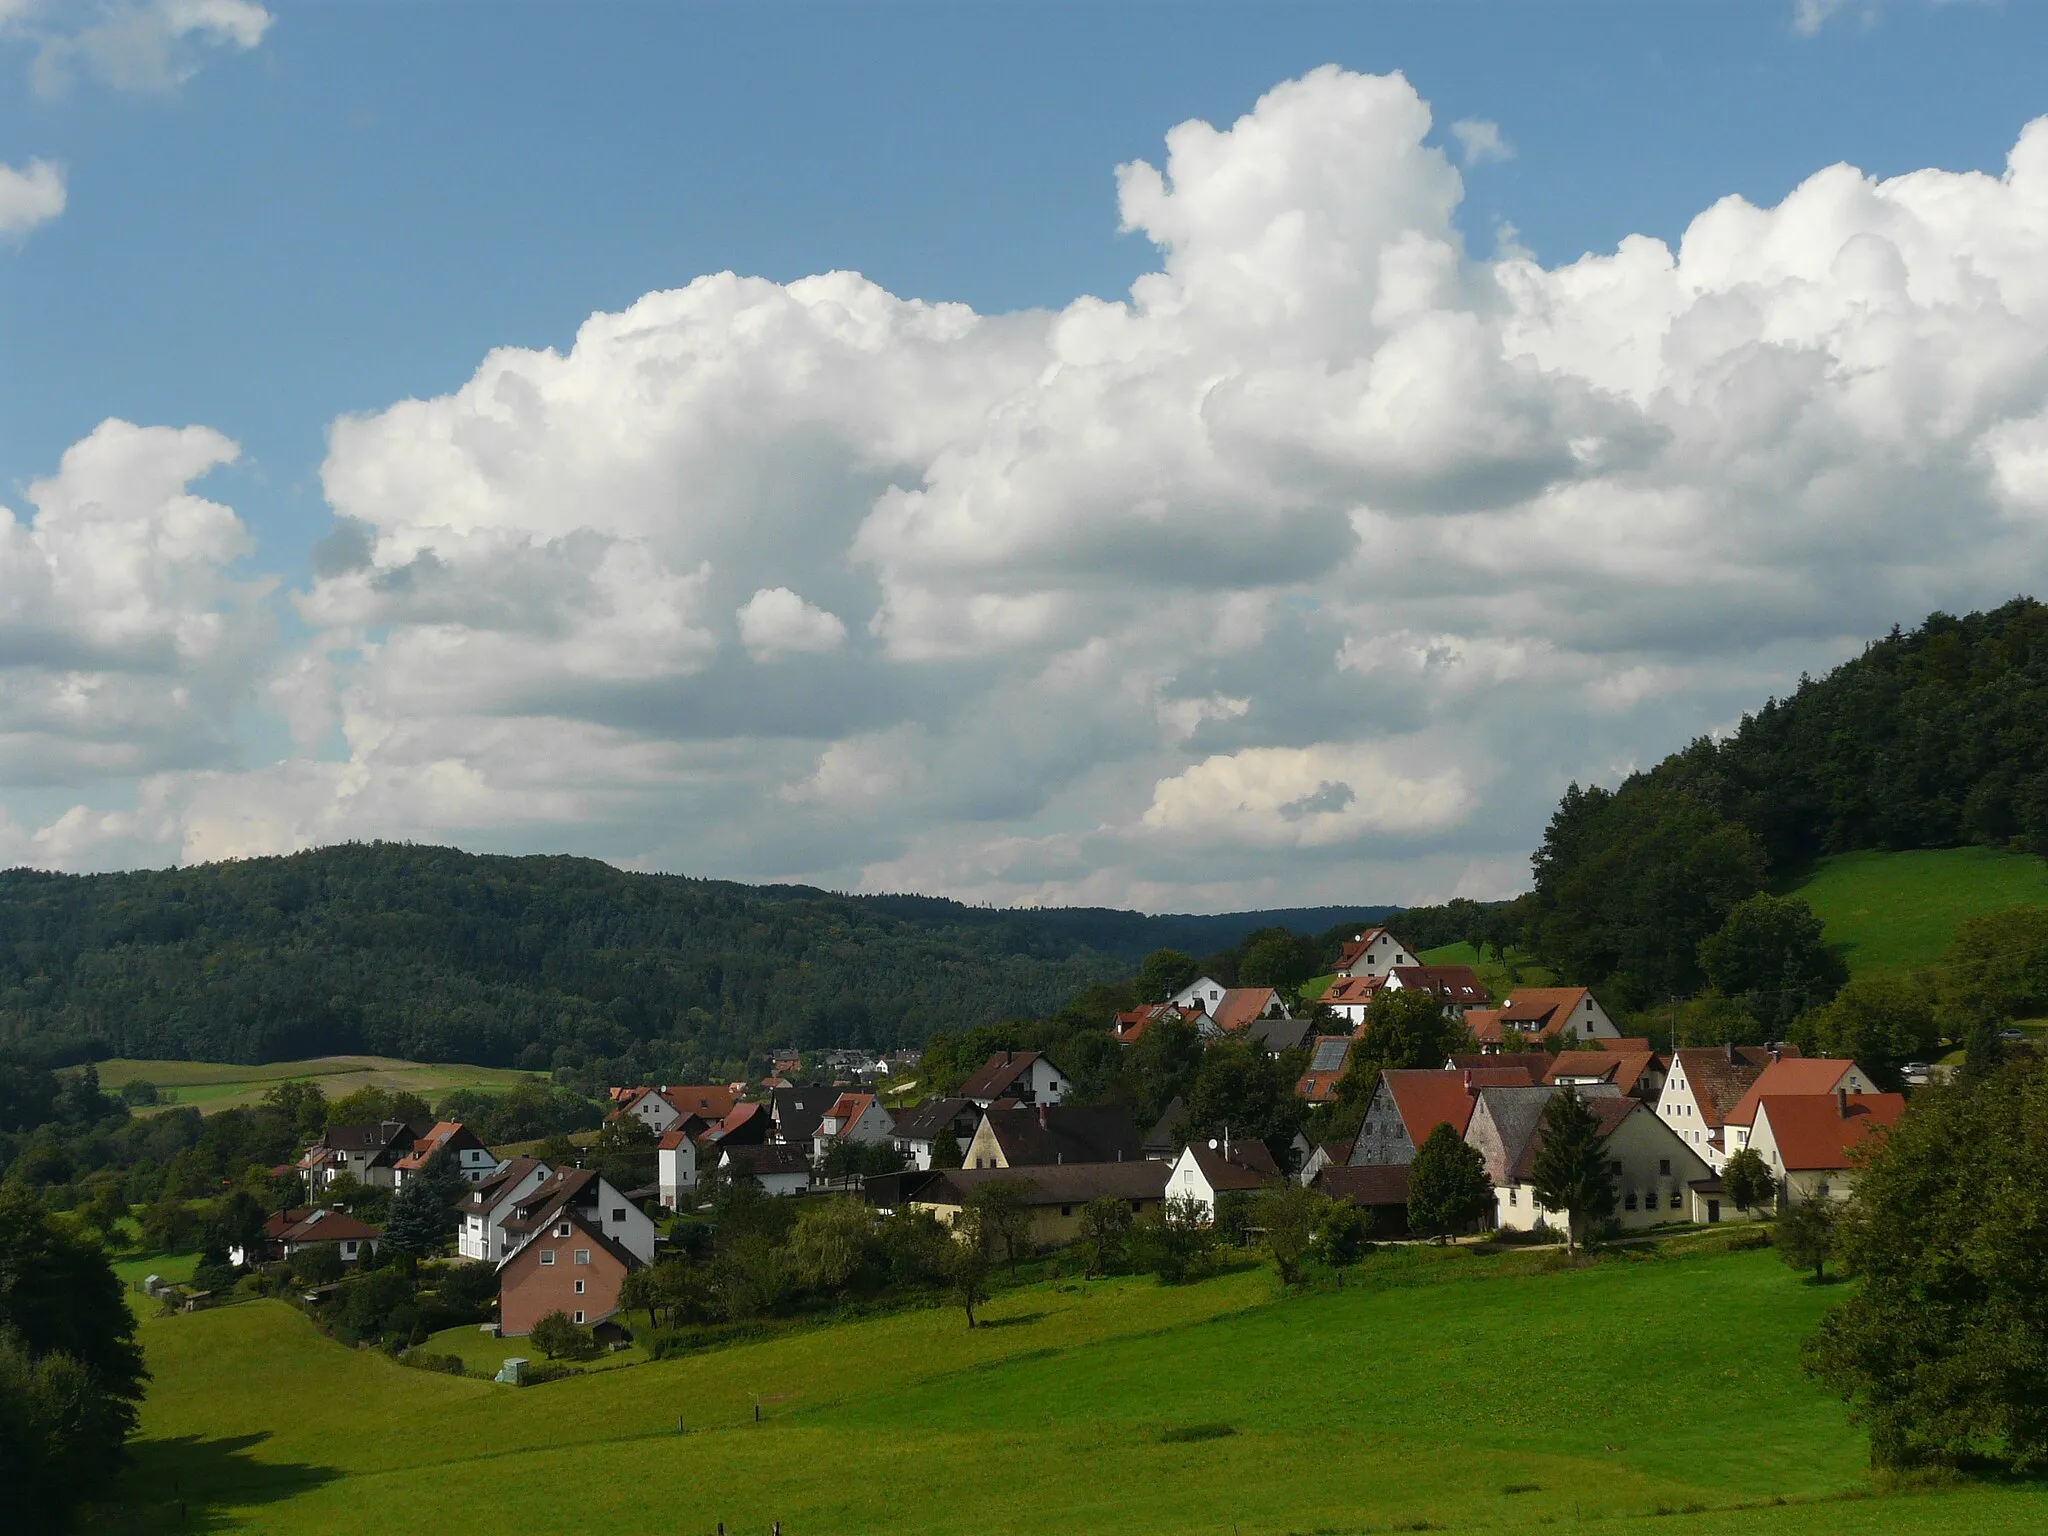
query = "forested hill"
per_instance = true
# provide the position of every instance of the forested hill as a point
(1933, 737)
(435, 954)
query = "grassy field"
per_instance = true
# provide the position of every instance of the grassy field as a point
(1469, 1393)
(210, 1086)
(1897, 911)
(1492, 974)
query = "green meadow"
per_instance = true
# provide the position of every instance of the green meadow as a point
(211, 1086)
(1440, 1389)
(1897, 911)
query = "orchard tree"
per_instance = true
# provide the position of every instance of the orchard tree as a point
(1290, 1215)
(1572, 1172)
(1105, 1229)
(1447, 1185)
(1748, 1181)
(1805, 1236)
(1938, 1347)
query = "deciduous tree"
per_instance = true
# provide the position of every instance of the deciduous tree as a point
(1572, 1173)
(1448, 1190)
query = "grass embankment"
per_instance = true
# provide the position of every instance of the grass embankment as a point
(211, 1086)
(1888, 912)
(1639, 1386)
(1492, 974)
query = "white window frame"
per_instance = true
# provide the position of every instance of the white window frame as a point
(547, 1256)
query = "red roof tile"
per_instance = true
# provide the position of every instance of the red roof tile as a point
(1816, 1131)
(1790, 1075)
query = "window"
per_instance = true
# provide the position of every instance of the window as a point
(1068, 1210)
(1676, 1201)
(579, 1287)
(618, 1214)
(1514, 1195)
(579, 1314)
(1628, 1201)
(547, 1255)
(582, 1255)
(1614, 1165)
(562, 1230)
(1664, 1166)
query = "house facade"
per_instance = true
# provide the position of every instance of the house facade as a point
(1055, 1197)
(675, 1167)
(779, 1170)
(1026, 1076)
(1653, 1171)
(1373, 952)
(570, 1266)
(660, 1108)
(1788, 1077)
(1408, 1105)
(1811, 1142)
(367, 1153)
(480, 1224)
(586, 1196)
(473, 1160)
(853, 1117)
(919, 1130)
(1205, 1170)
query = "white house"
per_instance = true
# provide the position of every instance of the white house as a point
(1220, 1167)
(1810, 1141)
(1704, 1087)
(1653, 1170)
(474, 1161)
(1202, 994)
(675, 1161)
(857, 1117)
(590, 1198)
(778, 1169)
(1787, 1077)
(660, 1108)
(1373, 952)
(480, 1232)
(1025, 1076)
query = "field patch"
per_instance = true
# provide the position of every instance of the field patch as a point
(211, 1086)
(1888, 912)
(1453, 1391)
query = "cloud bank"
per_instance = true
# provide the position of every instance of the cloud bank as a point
(1310, 570)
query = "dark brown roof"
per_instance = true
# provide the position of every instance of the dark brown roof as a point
(318, 1224)
(1535, 1063)
(763, 1161)
(1720, 1075)
(798, 1110)
(1384, 1184)
(925, 1122)
(1609, 1110)
(1062, 1184)
(567, 1187)
(999, 1075)
(593, 1233)
(1249, 1164)
(1165, 1135)
(1032, 1135)
(495, 1188)
(1453, 983)
(373, 1138)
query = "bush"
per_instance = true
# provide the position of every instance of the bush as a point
(1175, 1243)
(319, 1265)
(217, 1278)
(539, 1373)
(558, 1338)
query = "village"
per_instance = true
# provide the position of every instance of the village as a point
(1688, 1138)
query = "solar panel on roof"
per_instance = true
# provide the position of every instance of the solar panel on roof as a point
(1329, 1055)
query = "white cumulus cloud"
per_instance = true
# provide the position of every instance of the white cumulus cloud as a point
(29, 197)
(775, 621)
(1311, 569)
(1481, 141)
(129, 45)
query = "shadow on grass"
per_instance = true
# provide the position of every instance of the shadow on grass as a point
(1019, 1321)
(189, 1483)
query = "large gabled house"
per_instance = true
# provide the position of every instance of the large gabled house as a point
(1408, 1105)
(778, 1169)
(1639, 1074)
(569, 1264)
(1703, 1088)
(587, 1196)
(660, 1108)
(1541, 1013)
(857, 1118)
(1026, 1076)
(797, 1110)
(1033, 1135)
(1457, 987)
(921, 1129)
(480, 1218)
(473, 1160)
(1811, 1142)
(367, 1153)
(1055, 1197)
(1373, 952)
(1789, 1077)
(1653, 1169)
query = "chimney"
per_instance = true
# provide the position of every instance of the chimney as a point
(1468, 1080)
(1730, 1048)
(1842, 1102)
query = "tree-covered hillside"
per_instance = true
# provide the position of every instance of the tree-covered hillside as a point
(1930, 738)
(439, 955)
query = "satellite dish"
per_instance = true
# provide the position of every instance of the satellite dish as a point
(1212, 1143)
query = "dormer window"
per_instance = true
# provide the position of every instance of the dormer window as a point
(562, 1229)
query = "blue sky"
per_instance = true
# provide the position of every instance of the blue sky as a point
(267, 227)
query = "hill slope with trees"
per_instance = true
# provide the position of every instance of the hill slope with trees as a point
(438, 955)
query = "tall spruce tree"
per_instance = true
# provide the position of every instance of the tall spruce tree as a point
(1572, 1173)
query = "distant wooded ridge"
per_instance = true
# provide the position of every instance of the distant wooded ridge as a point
(439, 955)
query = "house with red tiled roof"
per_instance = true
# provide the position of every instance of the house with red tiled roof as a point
(853, 1117)
(1408, 1105)
(1129, 1028)
(1328, 1061)
(1639, 1074)
(1456, 986)
(744, 1125)
(1349, 996)
(1241, 1007)
(1538, 1013)
(660, 1108)
(1812, 1141)
(473, 1160)
(1221, 1166)
(1703, 1087)
(1372, 952)
(1785, 1078)
(291, 1233)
